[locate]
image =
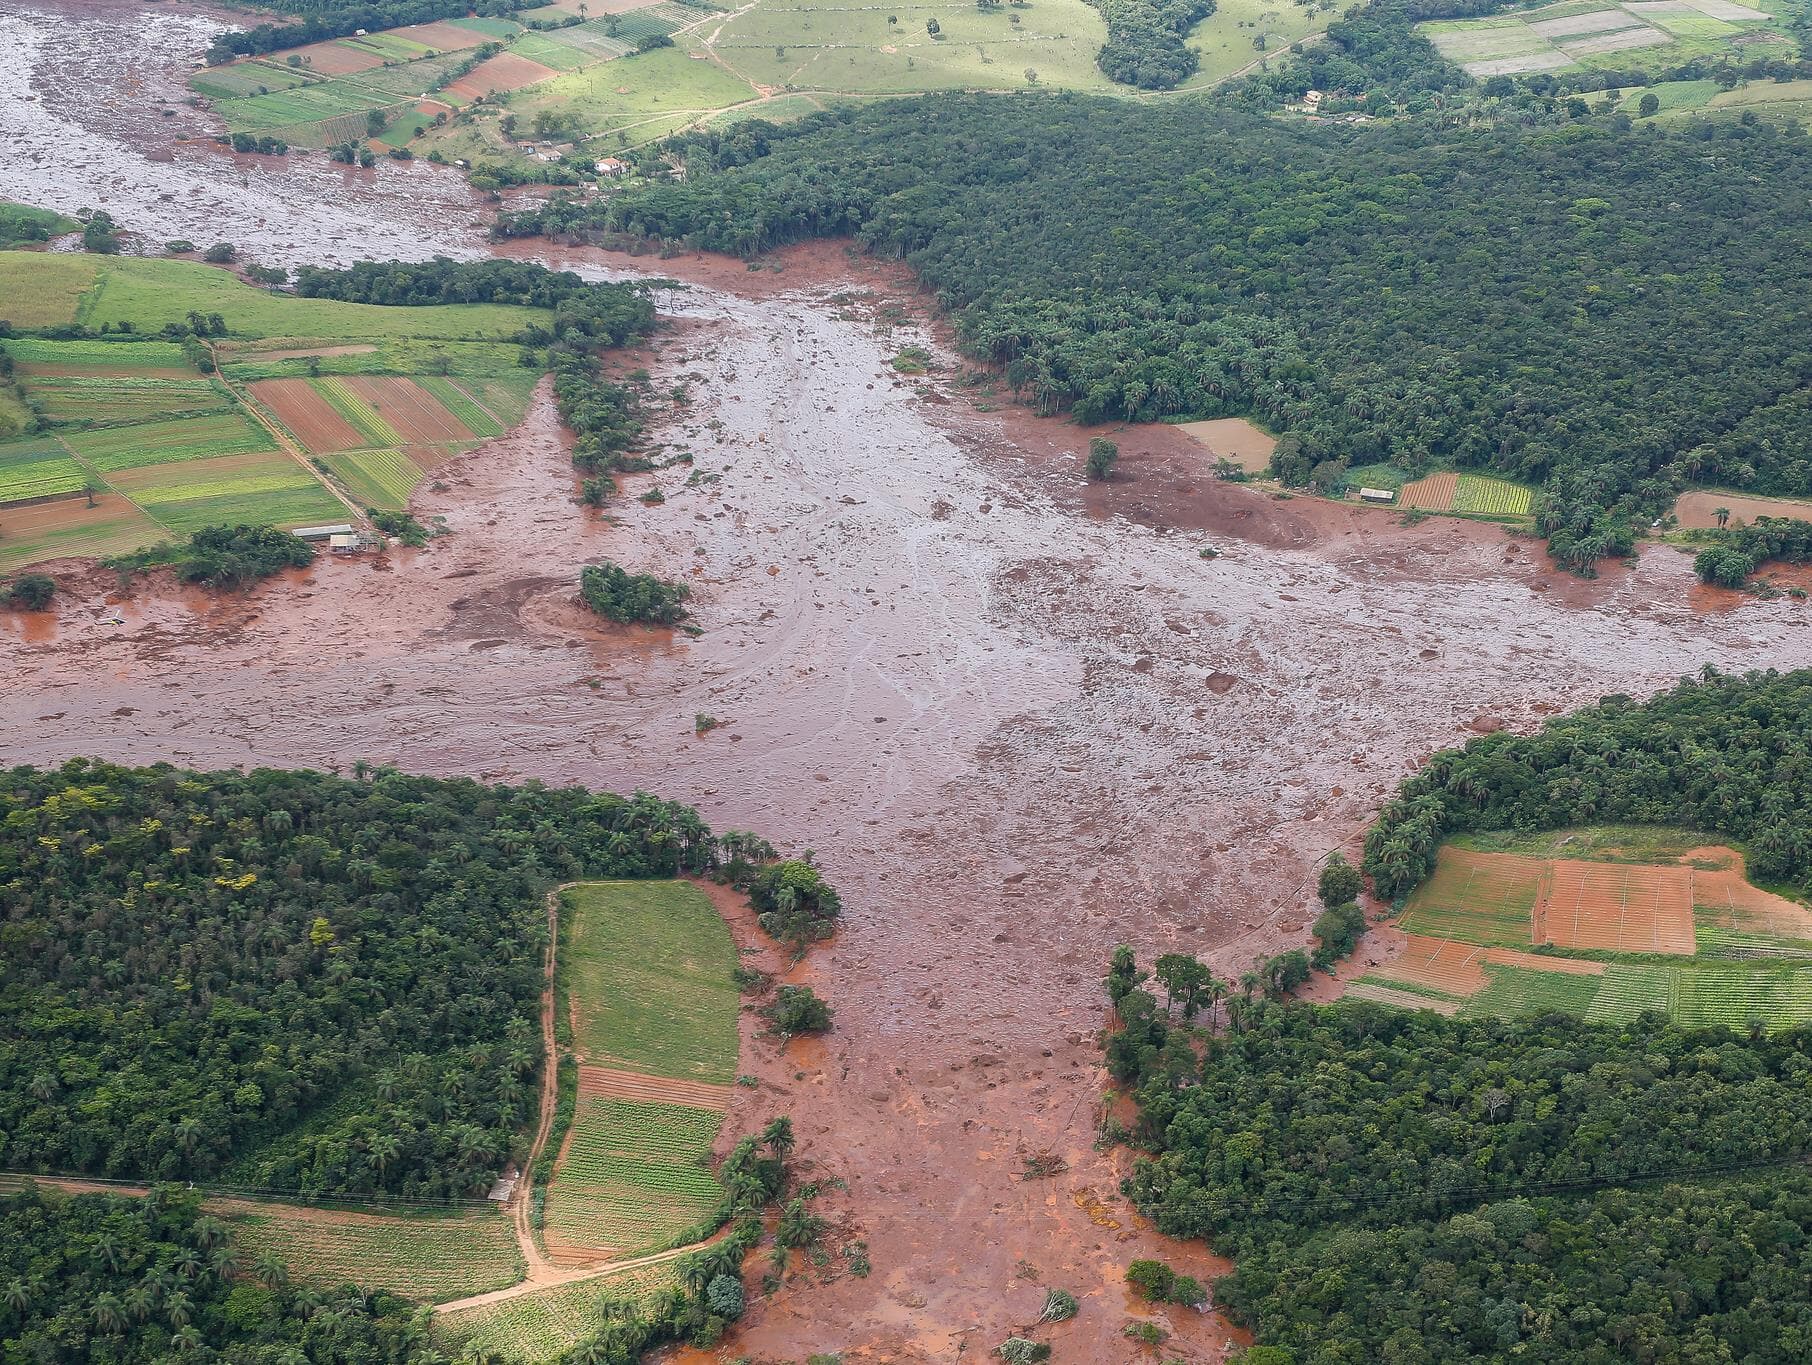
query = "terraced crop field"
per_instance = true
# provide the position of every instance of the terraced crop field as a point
(651, 982)
(376, 478)
(115, 400)
(542, 1325)
(1483, 898)
(38, 467)
(431, 1258)
(1512, 991)
(463, 407)
(1491, 497)
(254, 489)
(113, 449)
(634, 1177)
(344, 399)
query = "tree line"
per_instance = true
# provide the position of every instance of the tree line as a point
(321, 20)
(1731, 755)
(1596, 309)
(1738, 551)
(293, 980)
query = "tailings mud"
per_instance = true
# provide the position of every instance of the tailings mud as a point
(1018, 719)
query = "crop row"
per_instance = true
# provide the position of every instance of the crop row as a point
(158, 355)
(382, 478)
(37, 469)
(1491, 497)
(433, 1259)
(542, 1325)
(1513, 991)
(460, 403)
(342, 398)
(304, 104)
(1626, 990)
(158, 443)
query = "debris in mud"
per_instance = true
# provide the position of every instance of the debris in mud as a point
(1220, 683)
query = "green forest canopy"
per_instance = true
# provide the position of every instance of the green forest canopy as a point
(1605, 311)
(1728, 754)
(304, 981)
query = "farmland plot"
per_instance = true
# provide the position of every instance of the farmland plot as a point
(253, 489)
(541, 1325)
(635, 1176)
(429, 1257)
(1483, 898)
(376, 478)
(69, 526)
(111, 449)
(37, 468)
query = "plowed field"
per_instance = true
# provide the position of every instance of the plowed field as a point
(505, 71)
(316, 425)
(416, 415)
(1432, 494)
(1622, 907)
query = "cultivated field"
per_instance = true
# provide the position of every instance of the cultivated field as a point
(1595, 33)
(430, 1257)
(648, 968)
(168, 449)
(541, 1325)
(1667, 919)
(1470, 494)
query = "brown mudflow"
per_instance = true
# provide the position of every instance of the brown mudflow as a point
(1018, 719)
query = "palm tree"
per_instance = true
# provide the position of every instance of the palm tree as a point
(188, 1134)
(186, 1339)
(270, 1271)
(179, 1310)
(16, 1296)
(109, 1313)
(225, 1262)
(1723, 516)
(384, 1149)
(777, 1137)
(210, 1233)
(107, 1251)
(139, 1301)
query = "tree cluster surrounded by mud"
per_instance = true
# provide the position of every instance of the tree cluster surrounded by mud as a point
(1018, 718)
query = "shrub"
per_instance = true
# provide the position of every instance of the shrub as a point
(1340, 882)
(1059, 1306)
(31, 592)
(1022, 1351)
(798, 1009)
(1103, 456)
(724, 1296)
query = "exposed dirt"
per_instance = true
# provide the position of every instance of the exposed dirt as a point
(1020, 718)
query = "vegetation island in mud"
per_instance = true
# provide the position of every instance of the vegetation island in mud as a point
(1028, 510)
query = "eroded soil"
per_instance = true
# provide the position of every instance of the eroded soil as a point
(1019, 720)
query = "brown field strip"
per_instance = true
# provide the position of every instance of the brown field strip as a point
(315, 424)
(330, 59)
(1431, 494)
(442, 37)
(414, 414)
(603, 1083)
(1727, 899)
(1438, 963)
(298, 353)
(1622, 907)
(1537, 962)
(505, 71)
(1403, 1000)
(1697, 510)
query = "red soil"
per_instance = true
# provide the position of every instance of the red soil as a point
(1431, 494)
(315, 424)
(601, 1082)
(1622, 907)
(505, 71)
(442, 37)
(331, 59)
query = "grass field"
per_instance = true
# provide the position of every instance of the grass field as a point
(44, 289)
(429, 1257)
(254, 489)
(540, 1326)
(1510, 991)
(150, 293)
(650, 978)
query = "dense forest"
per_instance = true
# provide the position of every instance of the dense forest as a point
(1594, 307)
(1406, 1187)
(122, 1281)
(1145, 44)
(1729, 755)
(319, 20)
(300, 981)
(1688, 1273)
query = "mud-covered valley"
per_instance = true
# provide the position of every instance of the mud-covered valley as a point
(1018, 719)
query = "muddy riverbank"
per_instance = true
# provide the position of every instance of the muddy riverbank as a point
(1018, 718)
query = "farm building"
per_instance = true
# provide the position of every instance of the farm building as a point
(1376, 495)
(326, 533)
(613, 167)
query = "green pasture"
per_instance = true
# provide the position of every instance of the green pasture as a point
(650, 968)
(276, 491)
(44, 289)
(636, 1176)
(150, 293)
(254, 77)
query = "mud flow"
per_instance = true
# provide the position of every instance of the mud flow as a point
(1018, 718)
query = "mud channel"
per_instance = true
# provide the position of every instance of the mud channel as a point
(1018, 719)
